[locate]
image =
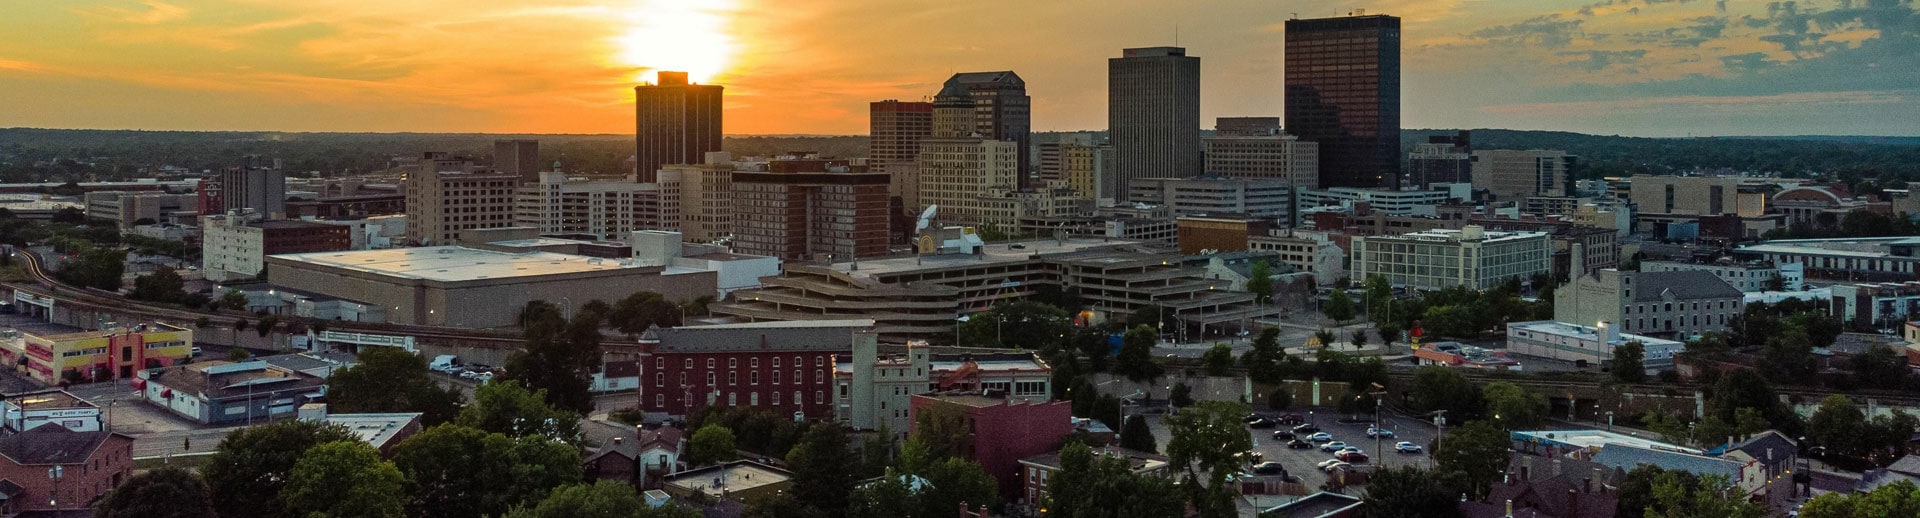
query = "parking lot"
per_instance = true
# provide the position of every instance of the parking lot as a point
(1302, 462)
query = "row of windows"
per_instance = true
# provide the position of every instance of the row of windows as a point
(660, 363)
(753, 398)
(733, 378)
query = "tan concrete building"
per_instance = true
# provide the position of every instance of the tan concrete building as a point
(446, 195)
(1270, 156)
(609, 209)
(1514, 175)
(701, 195)
(1704, 196)
(470, 288)
(127, 208)
(1472, 257)
(1088, 169)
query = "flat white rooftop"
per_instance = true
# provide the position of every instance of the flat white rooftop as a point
(1597, 438)
(1549, 327)
(453, 263)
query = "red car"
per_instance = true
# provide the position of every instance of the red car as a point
(1351, 457)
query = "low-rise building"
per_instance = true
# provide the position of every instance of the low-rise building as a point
(52, 353)
(382, 431)
(1851, 259)
(1456, 354)
(636, 456)
(28, 410)
(604, 208)
(1038, 470)
(1680, 304)
(1005, 430)
(1319, 505)
(1511, 174)
(1589, 345)
(1199, 235)
(472, 288)
(1419, 202)
(227, 393)
(743, 481)
(130, 208)
(1882, 305)
(235, 246)
(874, 392)
(1265, 199)
(1304, 251)
(1746, 276)
(783, 366)
(1472, 257)
(1741, 471)
(732, 271)
(54, 468)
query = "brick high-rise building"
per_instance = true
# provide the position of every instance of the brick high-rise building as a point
(518, 157)
(801, 209)
(1343, 92)
(896, 130)
(1002, 110)
(675, 123)
(1153, 114)
(446, 195)
(783, 366)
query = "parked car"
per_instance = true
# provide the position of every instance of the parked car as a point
(1252, 457)
(1333, 446)
(1306, 428)
(1269, 468)
(1406, 447)
(483, 378)
(1251, 418)
(1351, 448)
(1293, 419)
(1333, 464)
(1262, 423)
(196, 350)
(1320, 437)
(1283, 435)
(1379, 432)
(1297, 444)
(1351, 457)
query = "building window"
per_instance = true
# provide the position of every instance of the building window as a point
(753, 398)
(754, 363)
(689, 363)
(776, 362)
(819, 376)
(659, 400)
(709, 363)
(659, 364)
(659, 380)
(733, 363)
(733, 378)
(733, 399)
(819, 361)
(753, 377)
(796, 398)
(710, 379)
(796, 377)
(819, 397)
(797, 362)
(776, 377)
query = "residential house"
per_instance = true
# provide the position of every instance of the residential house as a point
(84, 466)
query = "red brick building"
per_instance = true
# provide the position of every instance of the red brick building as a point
(210, 199)
(784, 366)
(90, 463)
(1004, 430)
(288, 236)
(800, 209)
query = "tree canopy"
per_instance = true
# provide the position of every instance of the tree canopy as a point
(252, 465)
(388, 379)
(166, 492)
(455, 471)
(505, 407)
(344, 478)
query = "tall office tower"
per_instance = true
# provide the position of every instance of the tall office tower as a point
(1001, 110)
(255, 185)
(1153, 114)
(801, 209)
(1343, 92)
(896, 130)
(1443, 159)
(676, 123)
(960, 170)
(697, 199)
(518, 157)
(1245, 126)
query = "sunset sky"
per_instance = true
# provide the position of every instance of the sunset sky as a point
(1634, 67)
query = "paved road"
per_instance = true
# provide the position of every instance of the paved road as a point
(178, 442)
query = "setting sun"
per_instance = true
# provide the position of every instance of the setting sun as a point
(678, 35)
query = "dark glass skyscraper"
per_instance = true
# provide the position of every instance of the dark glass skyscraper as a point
(1153, 114)
(1343, 92)
(675, 123)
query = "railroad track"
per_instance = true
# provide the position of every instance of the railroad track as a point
(86, 298)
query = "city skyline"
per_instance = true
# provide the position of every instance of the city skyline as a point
(1647, 67)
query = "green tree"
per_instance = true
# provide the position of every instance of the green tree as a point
(1219, 360)
(237, 354)
(388, 379)
(1515, 408)
(1023, 325)
(1260, 282)
(560, 355)
(506, 407)
(234, 299)
(344, 478)
(1629, 362)
(1746, 388)
(601, 499)
(642, 310)
(943, 430)
(1181, 395)
(1455, 321)
(821, 480)
(1339, 306)
(1325, 337)
(165, 492)
(1136, 355)
(252, 464)
(458, 471)
(1137, 436)
(1840, 426)
(1443, 388)
(1897, 499)
(1098, 486)
(1787, 358)
(1677, 495)
(1210, 436)
(1475, 455)
(1377, 299)
(1410, 492)
(1279, 399)
(163, 285)
(1636, 491)
(1262, 361)
(953, 481)
(889, 497)
(711, 443)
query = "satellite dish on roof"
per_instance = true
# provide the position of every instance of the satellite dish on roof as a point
(926, 217)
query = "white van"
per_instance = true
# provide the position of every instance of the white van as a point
(443, 363)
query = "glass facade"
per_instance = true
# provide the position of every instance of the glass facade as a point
(1343, 92)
